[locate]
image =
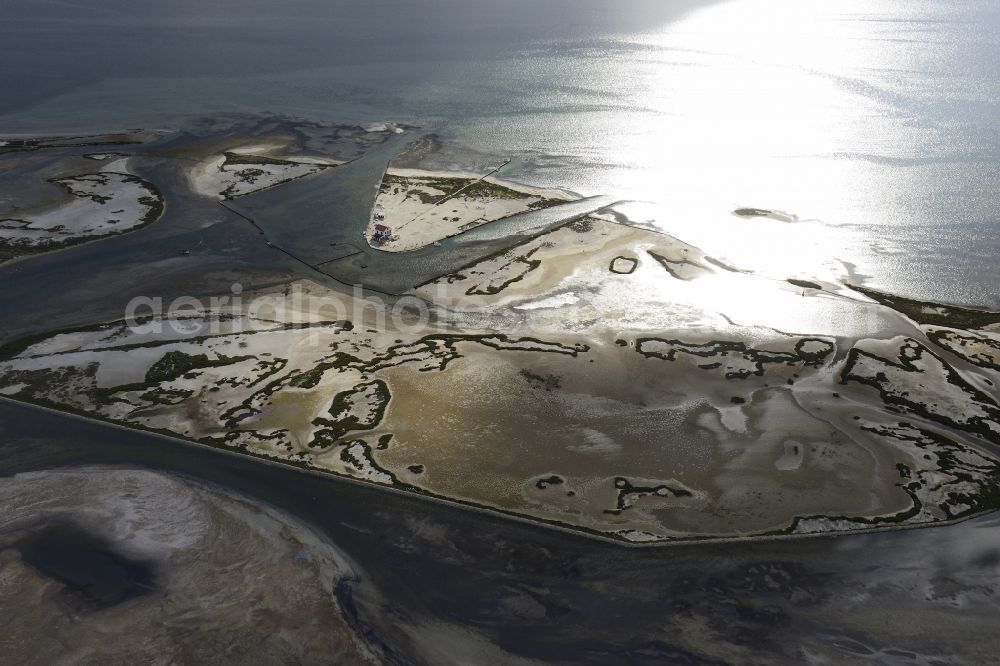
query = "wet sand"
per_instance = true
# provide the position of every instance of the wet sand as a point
(645, 397)
(544, 595)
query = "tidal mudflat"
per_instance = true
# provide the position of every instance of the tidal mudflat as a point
(56, 192)
(77, 197)
(417, 208)
(97, 550)
(550, 361)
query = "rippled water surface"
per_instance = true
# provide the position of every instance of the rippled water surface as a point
(876, 123)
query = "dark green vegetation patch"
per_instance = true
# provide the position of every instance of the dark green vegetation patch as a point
(174, 364)
(629, 493)
(926, 312)
(910, 354)
(753, 360)
(957, 344)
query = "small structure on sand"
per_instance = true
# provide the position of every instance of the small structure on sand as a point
(381, 235)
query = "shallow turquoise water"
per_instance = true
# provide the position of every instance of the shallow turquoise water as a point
(876, 123)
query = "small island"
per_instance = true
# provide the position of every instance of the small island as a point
(519, 350)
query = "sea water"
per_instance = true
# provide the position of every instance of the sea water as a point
(874, 124)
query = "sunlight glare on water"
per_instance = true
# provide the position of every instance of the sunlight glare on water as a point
(875, 122)
(838, 113)
(750, 119)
